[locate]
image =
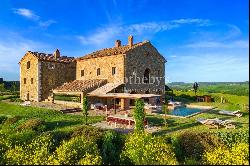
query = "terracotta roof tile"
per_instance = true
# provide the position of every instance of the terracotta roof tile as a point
(111, 51)
(81, 85)
(50, 57)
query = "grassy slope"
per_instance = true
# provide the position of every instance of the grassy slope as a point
(55, 120)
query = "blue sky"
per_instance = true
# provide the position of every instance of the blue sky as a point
(202, 40)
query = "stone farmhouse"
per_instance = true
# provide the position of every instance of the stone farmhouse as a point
(112, 75)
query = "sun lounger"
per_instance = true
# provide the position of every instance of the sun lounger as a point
(211, 123)
(215, 123)
(228, 124)
(26, 103)
(232, 113)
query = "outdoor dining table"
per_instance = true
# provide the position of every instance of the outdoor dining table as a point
(130, 120)
(121, 117)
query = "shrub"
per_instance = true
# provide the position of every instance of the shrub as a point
(35, 153)
(17, 99)
(230, 138)
(85, 108)
(194, 144)
(20, 138)
(74, 151)
(237, 155)
(139, 115)
(33, 124)
(144, 149)
(4, 146)
(111, 147)
(12, 120)
(2, 119)
(90, 133)
(91, 159)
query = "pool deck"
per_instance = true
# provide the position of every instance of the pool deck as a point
(204, 109)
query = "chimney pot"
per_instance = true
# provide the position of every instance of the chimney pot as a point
(117, 43)
(56, 54)
(130, 40)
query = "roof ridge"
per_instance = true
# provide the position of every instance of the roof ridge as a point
(112, 51)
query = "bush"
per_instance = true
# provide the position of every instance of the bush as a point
(90, 133)
(91, 159)
(237, 155)
(12, 120)
(139, 115)
(111, 147)
(4, 146)
(194, 144)
(75, 151)
(230, 138)
(35, 153)
(2, 119)
(19, 138)
(145, 149)
(32, 124)
(17, 99)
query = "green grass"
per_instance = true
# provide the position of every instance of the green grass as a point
(4, 97)
(54, 120)
(177, 125)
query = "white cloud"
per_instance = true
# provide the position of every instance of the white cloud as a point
(26, 13)
(12, 49)
(102, 35)
(31, 15)
(199, 22)
(47, 23)
(215, 44)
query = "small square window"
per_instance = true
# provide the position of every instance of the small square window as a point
(24, 81)
(28, 64)
(51, 66)
(113, 70)
(98, 72)
(31, 80)
(82, 73)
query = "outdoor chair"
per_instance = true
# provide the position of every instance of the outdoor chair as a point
(211, 123)
(232, 113)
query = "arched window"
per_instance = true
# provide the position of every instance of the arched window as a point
(146, 75)
(28, 64)
(98, 71)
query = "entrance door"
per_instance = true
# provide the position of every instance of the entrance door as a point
(28, 96)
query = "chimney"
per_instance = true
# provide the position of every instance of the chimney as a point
(130, 40)
(117, 43)
(56, 54)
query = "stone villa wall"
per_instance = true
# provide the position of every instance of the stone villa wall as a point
(140, 59)
(29, 91)
(54, 74)
(105, 64)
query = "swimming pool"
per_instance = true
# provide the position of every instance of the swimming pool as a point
(185, 111)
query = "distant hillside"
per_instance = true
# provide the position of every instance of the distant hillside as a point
(236, 88)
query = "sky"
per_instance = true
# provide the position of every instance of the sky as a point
(202, 40)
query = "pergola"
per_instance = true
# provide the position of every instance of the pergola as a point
(124, 97)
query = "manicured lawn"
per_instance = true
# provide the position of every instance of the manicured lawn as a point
(55, 120)
(177, 125)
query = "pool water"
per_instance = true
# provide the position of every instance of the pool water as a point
(184, 111)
